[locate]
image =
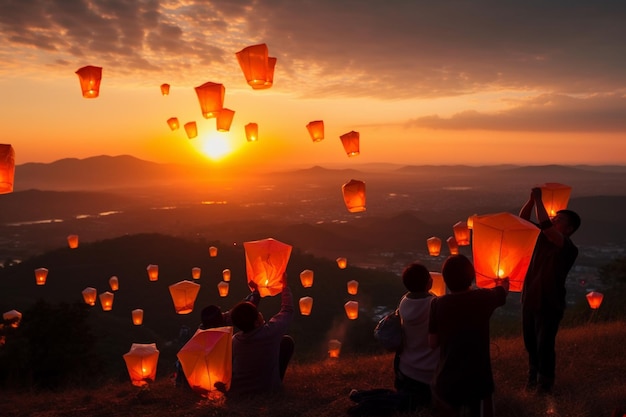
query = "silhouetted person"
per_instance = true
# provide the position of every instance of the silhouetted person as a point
(212, 316)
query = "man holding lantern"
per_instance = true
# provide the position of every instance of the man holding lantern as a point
(543, 294)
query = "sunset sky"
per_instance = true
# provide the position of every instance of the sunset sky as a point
(423, 82)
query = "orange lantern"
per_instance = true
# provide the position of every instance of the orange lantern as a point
(306, 278)
(12, 317)
(165, 89)
(350, 142)
(7, 168)
(226, 275)
(224, 119)
(594, 299)
(252, 132)
(114, 283)
(269, 79)
(195, 272)
(452, 245)
(184, 295)
(153, 272)
(503, 245)
(211, 98)
(89, 295)
(141, 362)
(342, 263)
(334, 348)
(266, 262)
(173, 123)
(434, 245)
(470, 221)
(354, 195)
(353, 287)
(212, 251)
(41, 274)
(222, 288)
(555, 197)
(257, 66)
(306, 304)
(90, 78)
(72, 241)
(316, 130)
(439, 286)
(106, 300)
(191, 129)
(461, 233)
(352, 309)
(137, 315)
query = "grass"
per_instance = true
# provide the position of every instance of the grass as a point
(591, 381)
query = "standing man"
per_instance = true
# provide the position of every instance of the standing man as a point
(543, 294)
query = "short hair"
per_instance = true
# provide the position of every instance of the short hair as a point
(415, 277)
(458, 272)
(573, 219)
(211, 317)
(244, 316)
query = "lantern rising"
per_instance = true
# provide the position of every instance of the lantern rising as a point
(153, 272)
(555, 197)
(342, 263)
(106, 300)
(502, 245)
(114, 283)
(252, 132)
(89, 295)
(12, 318)
(594, 299)
(184, 295)
(306, 304)
(461, 233)
(334, 348)
(7, 168)
(352, 309)
(72, 241)
(224, 119)
(165, 89)
(173, 123)
(316, 130)
(141, 362)
(137, 316)
(266, 262)
(439, 286)
(453, 247)
(90, 78)
(306, 278)
(211, 98)
(350, 142)
(41, 275)
(191, 128)
(257, 66)
(226, 275)
(195, 272)
(212, 251)
(353, 287)
(354, 195)
(470, 221)
(222, 288)
(434, 246)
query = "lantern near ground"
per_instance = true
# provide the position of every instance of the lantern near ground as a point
(72, 241)
(266, 262)
(191, 128)
(207, 359)
(453, 247)
(252, 132)
(141, 362)
(352, 309)
(7, 168)
(137, 316)
(555, 197)
(153, 272)
(594, 299)
(12, 318)
(195, 272)
(306, 304)
(439, 286)
(306, 278)
(342, 263)
(106, 300)
(353, 287)
(354, 195)
(224, 120)
(211, 98)
(334, 348)
(502, 246)
(90, 78)
(165, 89)
(41, 275)
(173, 123)
(212, 251)
(222, 288)
(226, 275)
(89, 295)
(184, 295)
(461, 233)
(316, 130)
(114, 283)
(350, 142)
(434, 246)
(257, 66)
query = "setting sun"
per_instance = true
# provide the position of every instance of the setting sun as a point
(215, 146)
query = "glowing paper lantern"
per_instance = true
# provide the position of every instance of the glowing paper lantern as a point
(106, 300)
(453, 247)
(226, 275)
(353, 287)
(90, 78)
(212, 251)
(306, 304)
(211, 98)
(434, 246)
(352, 309)
(7, 168)
(173, 123)
(257, 66)
(266, 262)
(334, 348)
(461, 233)
(470, 221)
(13, 317)
(350, 142)
(195, 272)
(165, 89)
(153, 272)
(555, 197)
(594, 299)
(114, 283)
(502, 245)
(184, 295)
(89, 295)
(316, 130)
(72, 241)
(342, 263)
(224, 120)
(141, 362)
(137, 315)
(41, 274)
(439, 286)
(354, 195)
(252, 132)
(207, 358)
(191, 129)
(306, 278)
(222, 288)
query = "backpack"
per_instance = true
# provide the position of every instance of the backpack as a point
(388, 331)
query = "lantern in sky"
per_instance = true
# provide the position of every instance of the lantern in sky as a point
(334, 348)
(226, 275)
(354, 195)
(306, 278)
(434, 246)
(173, 123)
(212, 251)
(137, 316)
(41, 274)
(224, 119)
(266, 262)
(222, 288)
(207, 358)
(453, 247)
(252, 132)
(90, 78)
(352, 309)
(342, 263)
(114, 283)
(461, 233)
(257, 66)
(306, 304)
(153, 272)
(439, 286)
(7, 168)
(195, 272)
(89, 295)
(594, 299)
(353, 287)
(470, 221)
(184, 295)
(555, 197)
(72, 241)
(106, 300)
(316, 130)
(191, 128)
(350, 143)
(13, 317)
(141, 362)
(165, 89)
(502, 246)
(211, 98)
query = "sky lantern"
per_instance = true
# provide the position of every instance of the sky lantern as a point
(470, 221)
(306, 278)
(352, 309)
(207, 358)
(453, 247)
(502, 245)
(461, 233)
(106, 300)
(439, 286)
(350, 143)
(222, 288)
(7, 168)
(316, 130)
(266, 262)
(353, 287)
(226, 275)
(434, 246)
(141, 362)
(165, 89)
(90, 78)
(594, 299)
(212, 251)
(306, 304)
(342, 263)
(89, 295)
(137, 316)
(555, 197)
(153, 272)
(41, 274)
(72, 241)
(252, 132)
(173, 123)
(334, 348)
(191, 128)
(224, 119)
(354, 195)
(195, 272)
(13, 317)
(211, 98)
(257, 66)
(184, 295)
(114, 283)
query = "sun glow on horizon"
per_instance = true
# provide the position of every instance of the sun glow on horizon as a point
(215, 146)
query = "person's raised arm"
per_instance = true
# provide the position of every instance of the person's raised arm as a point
(527, 208)
(545, 224)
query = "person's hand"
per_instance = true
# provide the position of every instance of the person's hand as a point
(536, 194)
(503, 282)
(253, 285)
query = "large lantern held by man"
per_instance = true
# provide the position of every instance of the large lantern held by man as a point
(106, 300)
(211, 98)
(502, 246)
(352, 309)
(266, 262)
(306, 278)
(257, 66)
(184, 295)
(350, 142)
(90, 78)
(7, 168)
(316, 130)
(434, 246)
(306, 305)
(555, 197)
(594, 299)
(354, 195)
(141, 362)
(89, 295)
(41, 275)
(461, 233)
